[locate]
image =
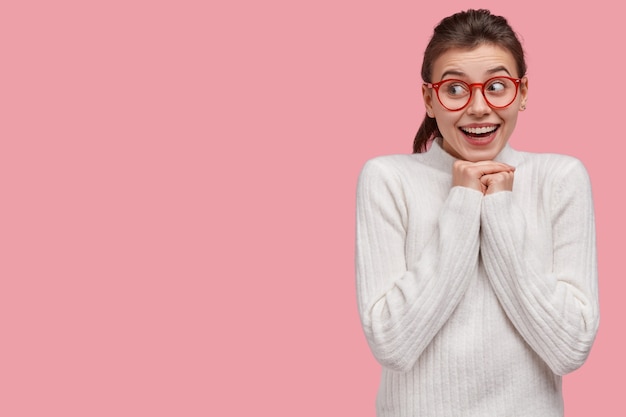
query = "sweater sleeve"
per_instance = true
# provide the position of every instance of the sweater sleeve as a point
(403, 306)
(554, 307)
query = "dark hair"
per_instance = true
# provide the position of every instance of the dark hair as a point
(466, 30)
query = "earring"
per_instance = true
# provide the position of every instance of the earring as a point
(523, 107)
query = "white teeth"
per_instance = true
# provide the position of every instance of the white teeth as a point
(479, 130)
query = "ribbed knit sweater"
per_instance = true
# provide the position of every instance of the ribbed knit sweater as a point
(475, 305)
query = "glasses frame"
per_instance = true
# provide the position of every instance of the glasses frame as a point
(472, 87)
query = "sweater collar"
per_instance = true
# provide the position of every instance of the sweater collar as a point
(442, 159)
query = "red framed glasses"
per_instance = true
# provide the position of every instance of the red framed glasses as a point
(455, 95)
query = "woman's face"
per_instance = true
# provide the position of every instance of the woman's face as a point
(477, 132)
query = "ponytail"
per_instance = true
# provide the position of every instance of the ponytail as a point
(426, 133)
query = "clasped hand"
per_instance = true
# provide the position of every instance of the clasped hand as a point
(488, 177)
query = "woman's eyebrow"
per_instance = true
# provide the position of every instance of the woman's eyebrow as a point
(460, 74)
(498, 69)
(452, 72)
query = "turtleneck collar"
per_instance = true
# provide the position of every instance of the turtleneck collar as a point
(438, 157)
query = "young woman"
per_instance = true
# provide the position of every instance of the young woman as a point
(476, 263)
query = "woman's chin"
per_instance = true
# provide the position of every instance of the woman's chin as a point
(477, 149)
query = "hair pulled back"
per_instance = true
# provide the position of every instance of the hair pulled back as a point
(465, 30)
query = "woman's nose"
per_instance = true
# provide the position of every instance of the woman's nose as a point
(478, 104)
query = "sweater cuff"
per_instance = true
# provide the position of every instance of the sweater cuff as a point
(464, 202)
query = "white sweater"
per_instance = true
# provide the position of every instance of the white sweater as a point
(475, 305)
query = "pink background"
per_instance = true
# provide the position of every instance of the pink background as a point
(177, 194)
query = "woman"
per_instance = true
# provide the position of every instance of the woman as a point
(476, 263)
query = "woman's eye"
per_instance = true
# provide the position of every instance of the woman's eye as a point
(456, 89)
(496, 86)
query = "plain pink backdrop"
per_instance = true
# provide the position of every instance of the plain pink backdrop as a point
(177, 186)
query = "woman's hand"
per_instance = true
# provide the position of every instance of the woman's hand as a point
(488, 177)
(500, 181)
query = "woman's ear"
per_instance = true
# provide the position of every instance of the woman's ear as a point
(523, 90)
(427, 94)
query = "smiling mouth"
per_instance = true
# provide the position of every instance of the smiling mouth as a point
(479, 132)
